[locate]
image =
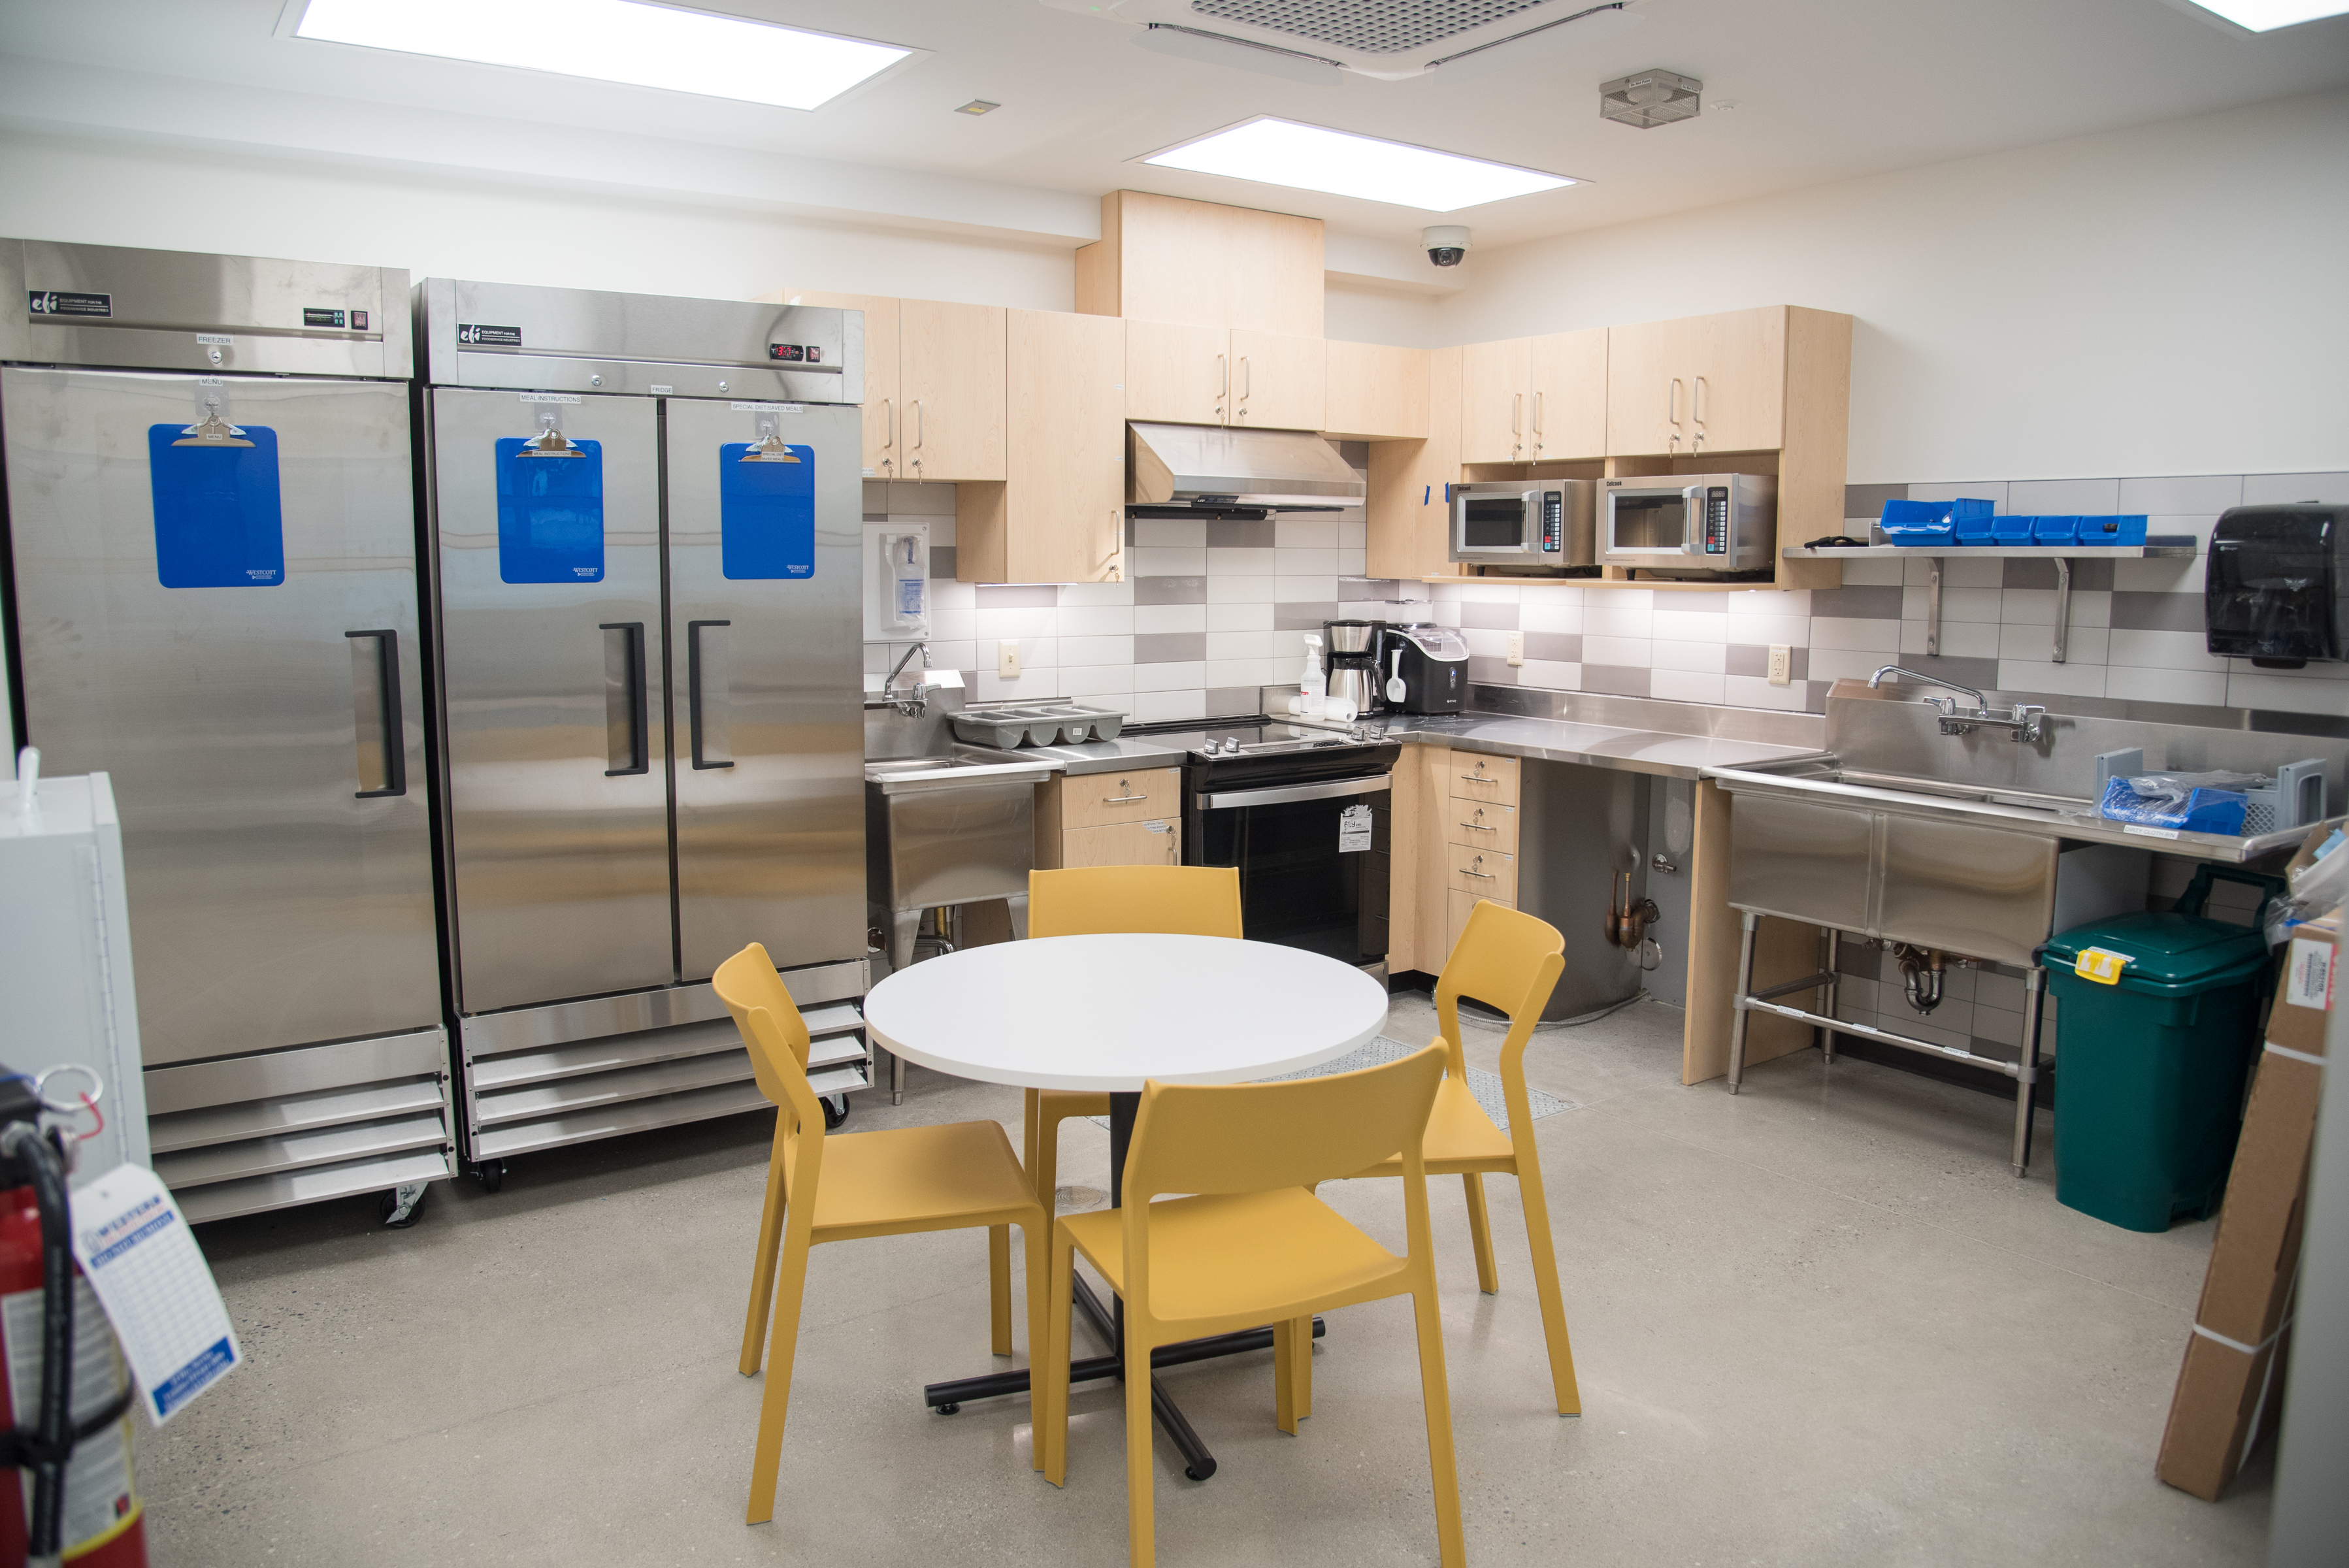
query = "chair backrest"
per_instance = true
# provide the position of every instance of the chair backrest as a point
(1506, 959)
(772, 1028)
(1168, 901)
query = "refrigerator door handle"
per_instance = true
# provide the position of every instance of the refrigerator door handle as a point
(706, 695)
(374, 707)
(626, 719)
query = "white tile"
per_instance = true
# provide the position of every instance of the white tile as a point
(1307, 533)
(1153, 618)
(1353, 561)
(1021, 622)
(2211, 493)
(1095, 650)
(1957, 604)
(1847, 664)
(1157, 561)
(1092, 620)
(1754, 691)
(1097, 596)
(2207, 687)
(2282, 489)
(2027, 606)
(1705, 658)
(1159, 707)
(2275, 689)
(1096, 680)
(2085, 645)
(1478, 593)
(1448, 594)
(2168, 574)
(2061, 498)
(879, 657)
(1872, 574)
(2062, 680)
(952, 625)
(961, 654)
(1487, 643)
(1244, 590)
(1168, 678)
(1353, 532)
(1298, 563)
(1795, 630)
(1621, 598)
(1550, 596)
(1289, 654)
(1959, 639)
(1444, 613)
(2163, 651)
(946, 593)
(1251, 617)
(1768, 602)
(1300, 590)
(1240, 672)
(1686, 686)
(1232, 561)
(1854, 632)
(1680, 625)
(1550, 674)
(1551, 615)
(1608, 619)
(1599, 650)
(1992, 490)
(1173, 531)
(1239, 646)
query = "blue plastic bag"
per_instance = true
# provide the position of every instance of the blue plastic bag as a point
(2175, 801)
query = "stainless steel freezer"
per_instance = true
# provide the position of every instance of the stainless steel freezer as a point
(646, 517)
(211, 530)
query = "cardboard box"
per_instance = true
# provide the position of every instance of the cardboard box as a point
(2234, 1358)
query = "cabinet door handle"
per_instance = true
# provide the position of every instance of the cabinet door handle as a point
(1517, 413)
(1223, 382)
(1479, 828)
(920, 426)
(1121, 799)
(1247, 379)
(1538, 421)
(1481, 876)
(1696, 410)
(1481, 777)
(626, 704)
(888, 424)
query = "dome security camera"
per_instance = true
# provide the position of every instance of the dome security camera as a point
(1445, 243)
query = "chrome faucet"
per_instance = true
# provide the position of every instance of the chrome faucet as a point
(2022, 722)
(916, 701)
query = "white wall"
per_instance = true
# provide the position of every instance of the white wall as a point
(2165, 300)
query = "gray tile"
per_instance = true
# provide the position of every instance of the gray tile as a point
(1018, 596)
(1979, 674)
(1497, 671)
(1753, 659)
(942, 560)
(1816, 702)
(2086, 575)
(1223, 702)
(1169, 647)
(2284, 489)
(2157, 612)
(1560, 647)
(1858, 604)
(1369, 588)
(1170, 591)
(1236, 533)
(2206, 493)
(1859, 959)
(1306, 615)
(1867, 501)
(1615, 680)
(1491, 617)
(876, 517)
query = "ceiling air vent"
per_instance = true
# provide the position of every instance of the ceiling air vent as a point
(1387, 40)
(1370, 27)
(1649, 98)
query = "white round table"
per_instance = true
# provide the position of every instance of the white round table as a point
(1111, 1013)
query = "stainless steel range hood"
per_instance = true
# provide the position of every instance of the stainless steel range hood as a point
(1208, 466)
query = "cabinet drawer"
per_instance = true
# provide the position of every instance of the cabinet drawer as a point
(1462, 904)
(1101, 799)
(1484, 873)
(1475, 778)
(1480, 826)
(1124, 844)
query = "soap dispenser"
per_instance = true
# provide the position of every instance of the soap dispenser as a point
(2272, 584)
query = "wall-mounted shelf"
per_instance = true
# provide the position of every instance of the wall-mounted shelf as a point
(2063, 555)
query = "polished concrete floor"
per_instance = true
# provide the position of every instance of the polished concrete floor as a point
(1817, 1324)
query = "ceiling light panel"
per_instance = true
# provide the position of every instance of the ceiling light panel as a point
(623, 41)
(2267, 16)
(1313, 157)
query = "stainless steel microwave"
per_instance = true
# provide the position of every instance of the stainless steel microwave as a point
(1525, 522)
(1700, 522)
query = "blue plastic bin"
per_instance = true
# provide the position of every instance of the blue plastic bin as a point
(1917, 522)
(2012, 531)
(2123, 529)
(2056, 530)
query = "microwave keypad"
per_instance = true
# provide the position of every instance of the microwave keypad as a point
(1552, 513)
(1716, 519)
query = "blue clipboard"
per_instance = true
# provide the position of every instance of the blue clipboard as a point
(219, 519)
(766, 513)
(550, 513)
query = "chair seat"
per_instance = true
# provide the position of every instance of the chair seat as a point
(1460, 1136)
(1215, 1256)
(911, 1178)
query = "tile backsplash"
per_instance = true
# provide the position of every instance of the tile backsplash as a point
(1215, 609)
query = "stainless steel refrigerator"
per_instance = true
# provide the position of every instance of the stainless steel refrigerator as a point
(212, 538)
(646, 514)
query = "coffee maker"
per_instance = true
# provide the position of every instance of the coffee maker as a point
(1351, 654)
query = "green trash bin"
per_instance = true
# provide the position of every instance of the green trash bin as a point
(2150, 1068)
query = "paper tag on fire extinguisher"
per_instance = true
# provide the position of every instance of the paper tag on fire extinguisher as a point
(134, 1245)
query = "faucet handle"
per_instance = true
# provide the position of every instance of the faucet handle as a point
(2027, 717)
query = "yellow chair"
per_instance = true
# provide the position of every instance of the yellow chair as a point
(1177, 901)
(1511, 961)
(901, 1181)
(1253, 1246)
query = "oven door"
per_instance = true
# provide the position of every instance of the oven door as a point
(1314, 861)
(1495, 525)
(1647, 523)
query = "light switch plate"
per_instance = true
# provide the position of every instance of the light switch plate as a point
(1516, 647)
(1007, 658)
(1782, 659)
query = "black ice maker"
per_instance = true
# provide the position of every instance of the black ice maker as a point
(2272, 584)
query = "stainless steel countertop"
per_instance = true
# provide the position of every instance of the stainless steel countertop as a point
(1651, 751)
(1108, 756)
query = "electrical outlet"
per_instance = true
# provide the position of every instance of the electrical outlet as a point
(1782, 664)
(1007, 658)
(1516, 647)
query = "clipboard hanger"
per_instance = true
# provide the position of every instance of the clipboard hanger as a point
(212, 430)
(769, 447)
(550, 442)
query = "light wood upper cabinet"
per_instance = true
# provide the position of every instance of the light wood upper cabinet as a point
(1278, 380)
(1175, 372)
(1568, 416)
(1374, 392)
(1494, 388)
(1704, 383)
(950, 362)
(1410, 521)
(1162, 258)
(1059, 516)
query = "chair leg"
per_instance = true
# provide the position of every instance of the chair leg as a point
(1284, 1375)
(1031, 1104)
(1044, 1162)
(1480, 1231)
(762, 1270)
(1546, 1290)
(1435, 1397)
(1035, 1245)
(1301, 1366)
(1141, 1543)
(998, 1288)
(767, 1457)
(1051, 1419)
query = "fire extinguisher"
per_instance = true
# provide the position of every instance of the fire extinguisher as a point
(66, 1487)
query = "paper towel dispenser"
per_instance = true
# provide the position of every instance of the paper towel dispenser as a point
(2272, 584)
